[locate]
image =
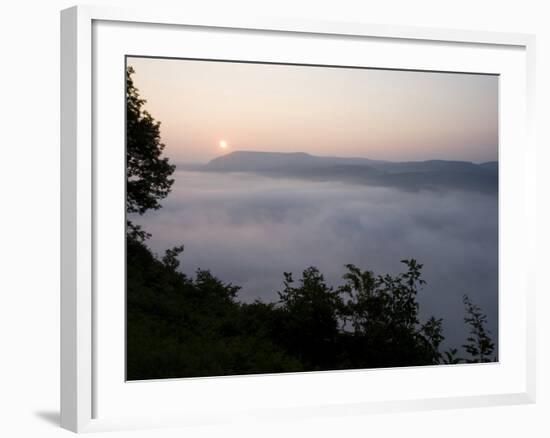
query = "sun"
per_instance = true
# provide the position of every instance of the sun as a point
(223, 144)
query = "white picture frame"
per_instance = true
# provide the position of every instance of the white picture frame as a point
(92, 392)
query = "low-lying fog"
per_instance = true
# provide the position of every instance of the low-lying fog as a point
(249, 229)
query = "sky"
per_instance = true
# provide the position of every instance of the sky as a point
(380, 114)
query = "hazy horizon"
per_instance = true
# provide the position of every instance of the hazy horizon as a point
(389, 115)
(316, 155)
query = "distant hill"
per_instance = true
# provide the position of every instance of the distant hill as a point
(259, 161)
(407, 175)
(490, 165)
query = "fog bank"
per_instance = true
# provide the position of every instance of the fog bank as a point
(249, 229)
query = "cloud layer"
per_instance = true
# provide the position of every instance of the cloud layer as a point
(249, 229)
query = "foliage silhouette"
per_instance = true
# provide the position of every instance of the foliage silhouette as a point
(188, 327)
(383, 313)
(147, 171)
(310, 319)
(479, 345)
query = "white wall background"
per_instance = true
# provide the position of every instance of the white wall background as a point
(29, 215)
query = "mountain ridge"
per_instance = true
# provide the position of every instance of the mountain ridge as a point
(407, 175)
(240, 154)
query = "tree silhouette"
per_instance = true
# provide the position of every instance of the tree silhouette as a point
(383, 313)
(147, 171)
(479, 346)
(180, 326)
(310, 318)
(450, 357)
(170, 258)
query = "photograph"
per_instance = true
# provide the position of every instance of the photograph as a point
(288, 218)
